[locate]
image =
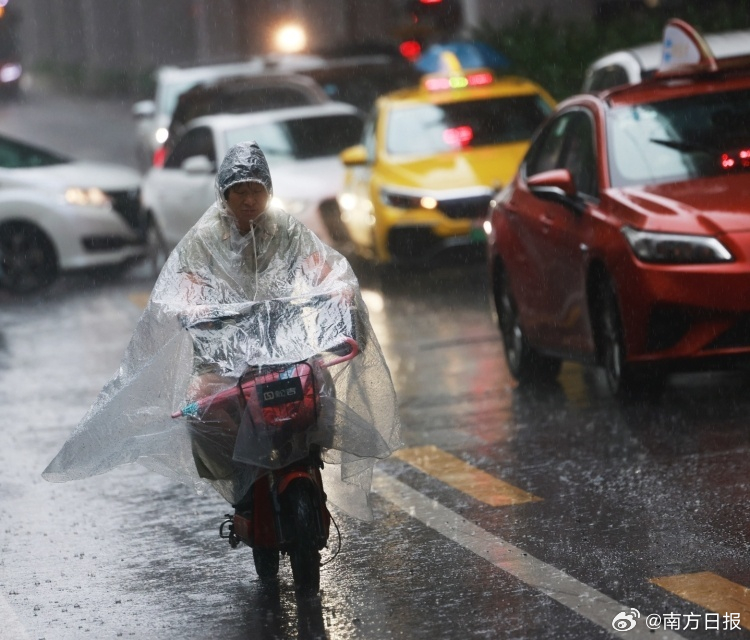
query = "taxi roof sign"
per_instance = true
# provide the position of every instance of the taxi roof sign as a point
(453, 76)
(684, 50)
(449, 63)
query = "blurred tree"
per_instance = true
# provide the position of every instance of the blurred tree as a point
(556, 54)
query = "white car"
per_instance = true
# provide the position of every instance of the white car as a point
(301, 144)
(59, 214)
(630, 66)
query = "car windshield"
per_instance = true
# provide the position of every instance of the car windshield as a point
(683, 139)
(435, 128)
(15, 155)
(301, 138)
(169, 93)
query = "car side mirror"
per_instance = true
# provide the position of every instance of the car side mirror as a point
(144, 109)
(557, 185)
(354, 156)
(197, 164)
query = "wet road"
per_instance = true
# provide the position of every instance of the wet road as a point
(510, 513)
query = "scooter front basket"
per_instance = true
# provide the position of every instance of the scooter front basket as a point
(281, 396)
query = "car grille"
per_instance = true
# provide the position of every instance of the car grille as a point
(105, 243)
(128, 205)
(469, 207)
(666, 327)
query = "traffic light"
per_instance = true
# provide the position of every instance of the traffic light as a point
(428, 22)
(410, 49)
(443, 16)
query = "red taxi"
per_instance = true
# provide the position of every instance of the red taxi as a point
(624, 238)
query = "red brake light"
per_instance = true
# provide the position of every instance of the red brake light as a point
(160, 155)
(430, 1)
(458, 136)
(735, 160)
(410, 49)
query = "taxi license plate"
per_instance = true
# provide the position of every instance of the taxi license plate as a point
(477, 234)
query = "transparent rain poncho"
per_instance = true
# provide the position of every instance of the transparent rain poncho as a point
(229, 314)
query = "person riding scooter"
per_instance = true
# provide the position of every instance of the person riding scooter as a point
(253, 269)
(249, 236)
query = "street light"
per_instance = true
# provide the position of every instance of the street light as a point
(290, 38)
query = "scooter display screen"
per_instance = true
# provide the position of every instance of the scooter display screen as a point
(272, 394)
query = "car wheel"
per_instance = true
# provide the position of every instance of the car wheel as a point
(156, 247)
(27, 258)
(624, 381)
(524, 363)
(331, 216)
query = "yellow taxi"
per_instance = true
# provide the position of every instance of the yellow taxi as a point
(431, 159)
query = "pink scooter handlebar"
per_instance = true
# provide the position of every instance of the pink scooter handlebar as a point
(353, 351)
(194, 406)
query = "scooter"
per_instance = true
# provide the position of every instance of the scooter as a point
(285, 510)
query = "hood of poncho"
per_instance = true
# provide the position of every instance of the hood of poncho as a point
(244, 162)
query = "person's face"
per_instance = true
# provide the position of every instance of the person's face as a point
(247, 200)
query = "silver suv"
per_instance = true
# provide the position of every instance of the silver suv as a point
(153, 116)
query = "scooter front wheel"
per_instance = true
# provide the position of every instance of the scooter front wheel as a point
(266, 563)
(303, 554)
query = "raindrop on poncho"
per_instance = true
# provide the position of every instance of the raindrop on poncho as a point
(223, 304)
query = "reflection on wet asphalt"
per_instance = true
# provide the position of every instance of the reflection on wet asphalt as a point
(626, 494)
(4, 364)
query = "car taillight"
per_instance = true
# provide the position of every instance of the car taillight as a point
(458, 136)
(160, 155)
(736, 160)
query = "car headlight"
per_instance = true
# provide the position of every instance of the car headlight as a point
(347, 201)
(161, 135)
(91, 197)
(10, 72)
(675, 248)
(293, 206)
(406, 201)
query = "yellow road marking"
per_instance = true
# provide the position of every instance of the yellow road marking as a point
(711, 592)
(462, 476)
(139, 299)
(584, 600)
